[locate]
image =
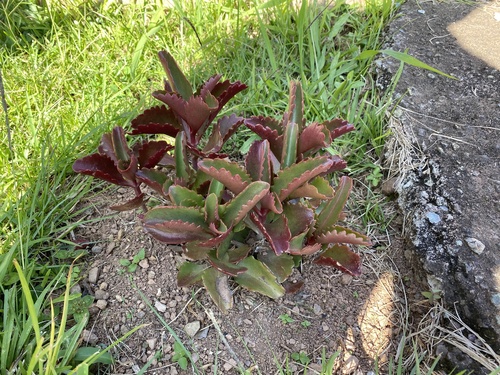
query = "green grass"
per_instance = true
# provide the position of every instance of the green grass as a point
(73, 69)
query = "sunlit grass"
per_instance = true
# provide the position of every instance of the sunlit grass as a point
(73, 69)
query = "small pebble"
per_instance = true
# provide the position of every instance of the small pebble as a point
(101, 304)
(93, 275)
(89, 337)
(161, 307)
(101, 294)
(345, 279)
(192, 328)
(433, 217)
(151, 343)
(475, 245)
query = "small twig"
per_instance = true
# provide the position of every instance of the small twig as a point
(194, 29)
(211, 316)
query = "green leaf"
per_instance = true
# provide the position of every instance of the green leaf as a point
(183, 363)
(124, 262)
(86, 352)
(259, 279)
(281, 266)
(182, 166)
(330, 213)
(183, 196)
(404, 57)
(298, 174)
(212, 209)
(195, 251)
(175, 76)
(224, 266)
(141, 254)
(190, 273)
(239, 206)
(290, 138)
(172, 213)
(217, 286)
(132, 268)
(296, 104)
(230, 174)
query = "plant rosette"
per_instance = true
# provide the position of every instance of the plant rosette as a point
(281, 193)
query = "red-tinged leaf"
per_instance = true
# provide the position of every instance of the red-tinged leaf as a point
(265, 122)
(238, 207)
(337, 127)
(182, 196)
(195, 251)
(331, 212)
(276, 232)
(176, 78)
(155, 179)
(176, 232)
(223, 266)
(292, 287)
(259, 279)
(338, 164)
(225, 91)
(150, 153)
(281, 266)
(311, 140)
(299, 218)
(216, 241)
(238, 253)
(290, 139)
(258, 161)
(129, 170)
(120, 147)
(162, 214)
(197, 112)
(190, 273)
(102, 167)
(291, 178)
(223, 129)
(228, 173)
(130, 205)
(270, 129)
(209, 86)
(156, 120)
(218, 288)
(272, 203)
(296, 105)
(341, 257)
(306, 250)
(106, 147)
(343, 235)
(318, 188)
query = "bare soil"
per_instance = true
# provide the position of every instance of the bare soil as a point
(361, 317)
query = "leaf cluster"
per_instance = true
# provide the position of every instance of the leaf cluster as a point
(281, 193)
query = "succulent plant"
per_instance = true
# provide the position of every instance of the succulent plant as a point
(281, 194)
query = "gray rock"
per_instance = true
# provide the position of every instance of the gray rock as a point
(161, 307)
(93, 275)
(192, 328)
(475, 245)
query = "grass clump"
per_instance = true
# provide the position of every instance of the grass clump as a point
(74, 69)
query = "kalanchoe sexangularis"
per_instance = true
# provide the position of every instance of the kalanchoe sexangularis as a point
(281, 191)
(186, 117)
